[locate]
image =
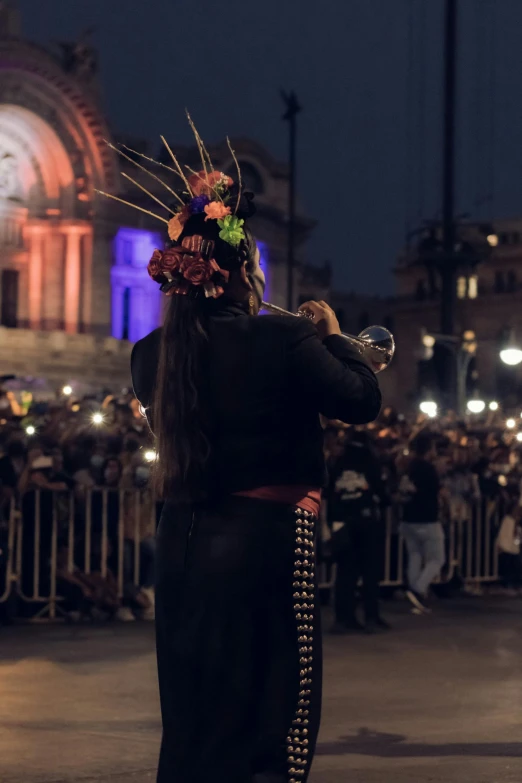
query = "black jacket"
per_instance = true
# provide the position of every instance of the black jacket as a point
(270, 378)
(355, 486)
(422, 495)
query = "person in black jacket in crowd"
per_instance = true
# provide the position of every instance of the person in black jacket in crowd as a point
(355, 497)
(421, 526)
(234, 401)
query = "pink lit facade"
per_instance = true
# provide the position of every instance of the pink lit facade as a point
(52, 158)
(72, 262)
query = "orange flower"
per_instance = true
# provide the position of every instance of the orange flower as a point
(216, 211)
(177, 224)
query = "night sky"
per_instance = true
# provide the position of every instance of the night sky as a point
(368, 75)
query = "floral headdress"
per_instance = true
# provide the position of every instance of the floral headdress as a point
(188, 268)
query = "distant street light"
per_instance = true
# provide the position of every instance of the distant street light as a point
(429, 408)
(492, 240)
(493, 406)
(519, 437)
(511, 424)
(476, 406)
(511, 356)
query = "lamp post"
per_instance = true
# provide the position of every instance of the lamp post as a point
(463, 350)
(292, 110)
(448, 266)
(448, 245)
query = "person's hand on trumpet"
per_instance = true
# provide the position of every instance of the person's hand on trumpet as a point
(324, 318)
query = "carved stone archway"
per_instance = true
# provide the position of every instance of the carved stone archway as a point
(52, 158)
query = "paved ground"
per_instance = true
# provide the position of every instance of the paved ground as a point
(437, 701)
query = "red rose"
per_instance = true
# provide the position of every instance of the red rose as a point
(171, 261)
(196, 270)
(155, 267)
(164, 265)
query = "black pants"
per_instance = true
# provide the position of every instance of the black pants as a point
(238, 643)
(510, 568)
(357, 549)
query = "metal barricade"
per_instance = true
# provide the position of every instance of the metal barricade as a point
(7, 552)
(472, 555)
(57, 538)
(50, 537)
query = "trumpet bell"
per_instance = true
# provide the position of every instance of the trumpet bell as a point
(380, 346)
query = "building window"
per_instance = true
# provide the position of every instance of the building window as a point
(467, 287)
(500, 285)
(9, 311)
(125, 321)
(511, 281)
(515, 237)
(504, 238)
(126, 252)
(420, 293)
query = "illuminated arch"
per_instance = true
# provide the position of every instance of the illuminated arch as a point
(31, 79)
(44, 173)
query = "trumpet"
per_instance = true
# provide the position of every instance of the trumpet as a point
(375, 344)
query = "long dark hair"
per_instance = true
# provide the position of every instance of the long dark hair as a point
(180, 415)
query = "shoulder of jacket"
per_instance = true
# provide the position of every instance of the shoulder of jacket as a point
(143, 365)
(146, 344)
(285, 324)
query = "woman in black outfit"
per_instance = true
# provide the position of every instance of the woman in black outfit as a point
(234, 401)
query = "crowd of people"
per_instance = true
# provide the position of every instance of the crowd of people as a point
(99, 452)
(81, 466)
(430, 471)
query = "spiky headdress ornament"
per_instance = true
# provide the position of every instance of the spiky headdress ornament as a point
(189, 268)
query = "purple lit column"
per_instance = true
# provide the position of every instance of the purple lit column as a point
(139, 310)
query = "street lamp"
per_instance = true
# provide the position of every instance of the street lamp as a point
(511, 424)
(476, 406)
(493, 406)
(428, 340)
(429, 408)
(511, 356)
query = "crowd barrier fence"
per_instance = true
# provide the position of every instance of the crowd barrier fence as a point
(470, 539)
(47, 533)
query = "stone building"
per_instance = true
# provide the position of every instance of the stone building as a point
(488, 303)
(73, 280)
